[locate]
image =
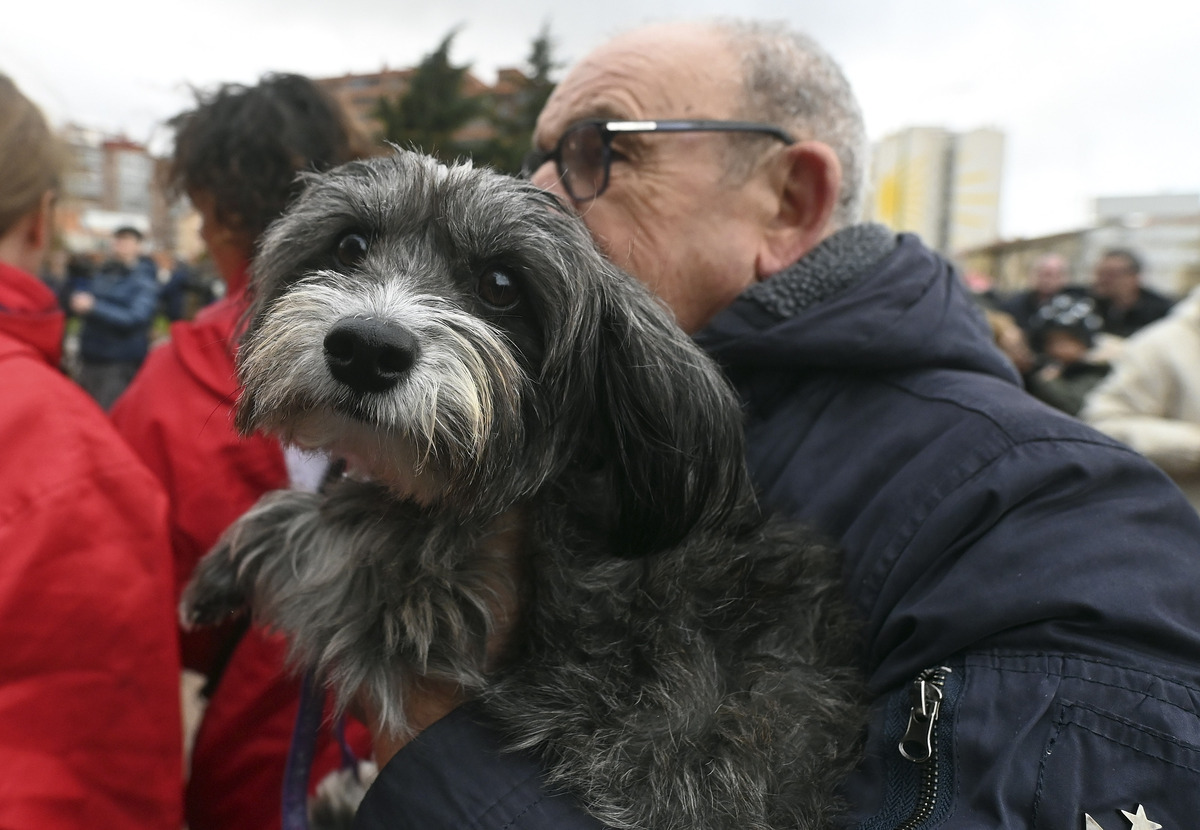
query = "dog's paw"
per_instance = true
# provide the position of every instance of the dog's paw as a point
(223, 584)
(214, 594)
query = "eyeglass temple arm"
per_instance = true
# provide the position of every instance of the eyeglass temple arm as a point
(700, 125)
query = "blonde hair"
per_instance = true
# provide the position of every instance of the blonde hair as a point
(30, 156)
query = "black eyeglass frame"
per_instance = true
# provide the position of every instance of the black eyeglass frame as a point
(610, 129)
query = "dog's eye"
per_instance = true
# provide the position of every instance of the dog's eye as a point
(351, 250)
(497, 289)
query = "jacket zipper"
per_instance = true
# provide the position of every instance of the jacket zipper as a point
(919, 743)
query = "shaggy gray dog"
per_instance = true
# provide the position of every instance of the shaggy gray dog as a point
(525, 427)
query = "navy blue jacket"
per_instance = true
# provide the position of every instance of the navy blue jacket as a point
(117, 329)
(1052, 572)
(456, 775)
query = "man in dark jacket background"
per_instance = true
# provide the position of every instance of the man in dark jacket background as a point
(1123, 303)
(1028, 585)
(117, 305)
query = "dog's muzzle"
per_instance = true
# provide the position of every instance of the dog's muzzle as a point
(368, 354)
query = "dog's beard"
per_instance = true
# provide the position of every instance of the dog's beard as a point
(427, 437)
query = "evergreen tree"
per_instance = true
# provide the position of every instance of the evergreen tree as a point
(514, 117)
(542, 66)
(433, 108)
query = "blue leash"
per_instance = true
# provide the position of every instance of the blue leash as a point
(301, 753)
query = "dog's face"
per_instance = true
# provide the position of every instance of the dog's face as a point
(454, 334)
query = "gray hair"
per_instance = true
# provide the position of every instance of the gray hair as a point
(791, 81)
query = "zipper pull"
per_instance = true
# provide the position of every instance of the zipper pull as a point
(926, 692)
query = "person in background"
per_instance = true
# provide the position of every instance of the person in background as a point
(1123, 303)
(1065, 334)
(117, 306)
(90, 732)
(1151, 401)
(237, 156)
(1049, 278)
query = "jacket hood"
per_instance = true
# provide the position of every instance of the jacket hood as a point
(894, 306)
(206, 345)
(29, 313)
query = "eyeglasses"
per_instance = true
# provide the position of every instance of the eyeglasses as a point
(584, 154)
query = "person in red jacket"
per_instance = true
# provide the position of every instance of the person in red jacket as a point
(90, 731)
(237, 155)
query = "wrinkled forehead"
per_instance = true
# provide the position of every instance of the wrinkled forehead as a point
(659, 72)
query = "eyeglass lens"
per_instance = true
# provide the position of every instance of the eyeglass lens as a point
(583, 161)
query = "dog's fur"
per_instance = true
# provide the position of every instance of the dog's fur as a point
(676, 660)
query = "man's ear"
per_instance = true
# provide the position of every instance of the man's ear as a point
(806, 178)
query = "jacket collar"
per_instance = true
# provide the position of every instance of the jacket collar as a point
(846, 308)
(837, 263)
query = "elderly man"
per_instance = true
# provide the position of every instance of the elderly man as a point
(1032, 636)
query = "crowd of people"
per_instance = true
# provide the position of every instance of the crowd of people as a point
(1025, 575)
(121, 301)
(1064, 335)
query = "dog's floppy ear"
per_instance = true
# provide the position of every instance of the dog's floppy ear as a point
(671, 426)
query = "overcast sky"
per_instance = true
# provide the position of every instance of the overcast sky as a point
(1096, 97)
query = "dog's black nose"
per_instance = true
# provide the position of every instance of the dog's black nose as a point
(368, 354)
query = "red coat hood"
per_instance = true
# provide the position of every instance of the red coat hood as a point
(206, 345)
(29, 313)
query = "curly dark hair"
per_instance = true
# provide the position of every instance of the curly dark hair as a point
(244, 145)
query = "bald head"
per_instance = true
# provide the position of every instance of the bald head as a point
(665, 71)
(754, 71)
